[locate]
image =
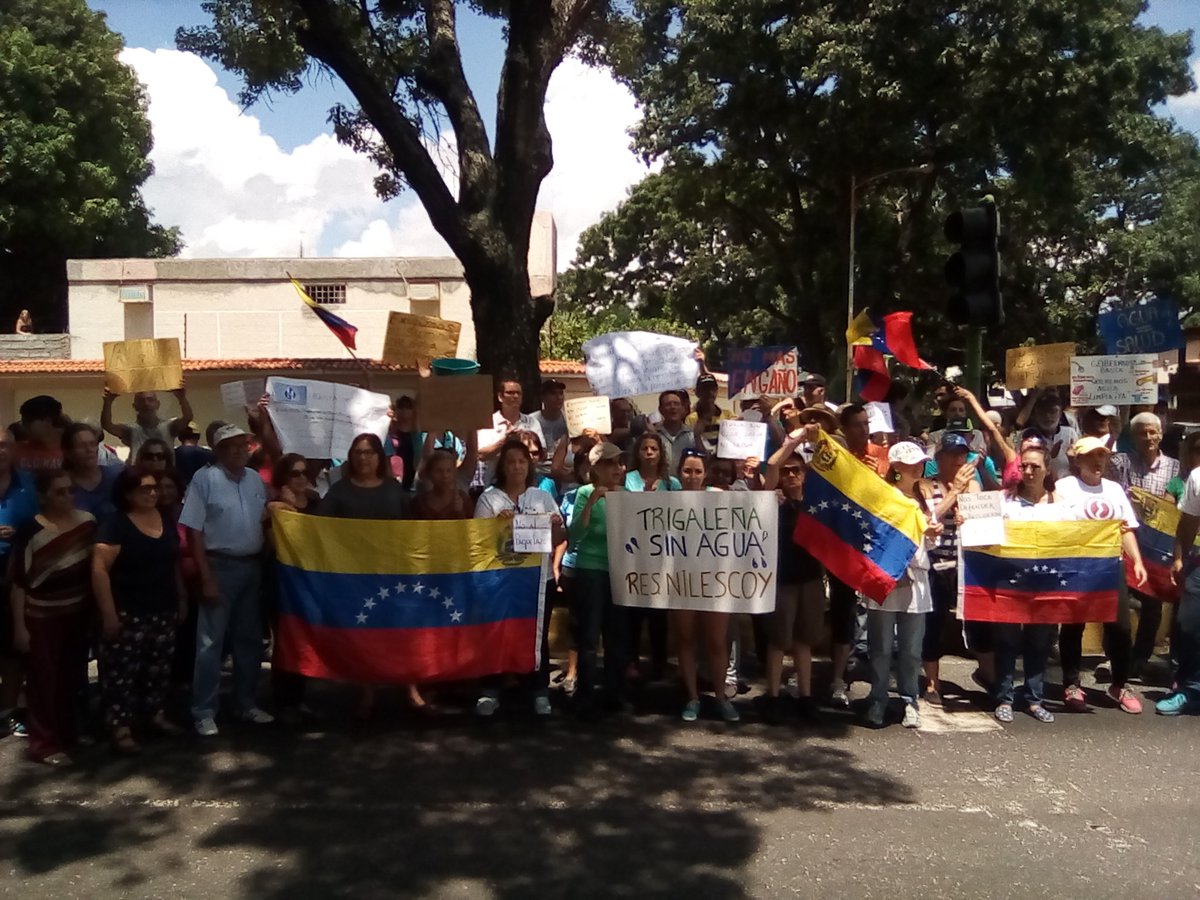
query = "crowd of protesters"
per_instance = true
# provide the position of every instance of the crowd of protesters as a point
(153, 556)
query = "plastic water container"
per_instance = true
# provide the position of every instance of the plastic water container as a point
(450, 366)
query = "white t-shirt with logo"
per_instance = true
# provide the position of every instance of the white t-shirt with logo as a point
(1106, 500)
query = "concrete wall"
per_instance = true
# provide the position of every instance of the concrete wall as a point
(247, 308)
(35, 346)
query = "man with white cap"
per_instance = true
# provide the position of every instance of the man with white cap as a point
(224, 514)
(1093, 496)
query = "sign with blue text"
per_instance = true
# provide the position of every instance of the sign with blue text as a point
(715, 551)
(764, 371)
(1144, 328)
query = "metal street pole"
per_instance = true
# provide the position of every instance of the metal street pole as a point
(850, 292)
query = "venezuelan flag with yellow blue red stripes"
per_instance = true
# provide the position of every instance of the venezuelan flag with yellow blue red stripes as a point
(863, 530)
(1044, 573)
(394, 601)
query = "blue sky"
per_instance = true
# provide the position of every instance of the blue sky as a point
(270, 179)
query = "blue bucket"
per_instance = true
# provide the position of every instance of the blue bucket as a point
(450, 366)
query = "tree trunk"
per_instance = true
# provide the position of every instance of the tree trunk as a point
(508, 325)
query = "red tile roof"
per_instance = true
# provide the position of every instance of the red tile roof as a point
(88, 366)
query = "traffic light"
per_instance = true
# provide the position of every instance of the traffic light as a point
(974, 271)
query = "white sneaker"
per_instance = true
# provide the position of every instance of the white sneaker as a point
(206, 728)
(912, 718)
(486, 705)
(839, 698)
(256, 716)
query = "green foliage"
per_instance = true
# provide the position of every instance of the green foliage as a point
(566, 331)
(73, 144)
(765, 115)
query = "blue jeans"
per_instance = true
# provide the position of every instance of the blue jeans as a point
(1033, 643)
(907, 631)
(239, 581)
(1187, 635)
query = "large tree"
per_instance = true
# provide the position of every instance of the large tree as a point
(74, 138)
(767, 113)
(402, 62)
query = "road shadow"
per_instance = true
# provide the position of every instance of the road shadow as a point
(636, 805)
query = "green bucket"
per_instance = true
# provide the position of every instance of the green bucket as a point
(450, 366)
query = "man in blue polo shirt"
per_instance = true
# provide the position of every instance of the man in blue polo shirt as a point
(224, 513)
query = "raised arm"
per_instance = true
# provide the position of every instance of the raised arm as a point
(121, 432)
(786, 450)
(185, 411)
(984, 422)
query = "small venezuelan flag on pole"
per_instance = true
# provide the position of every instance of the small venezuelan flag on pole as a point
(341, 329)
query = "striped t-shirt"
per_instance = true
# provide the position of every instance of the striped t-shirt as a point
(54, 565)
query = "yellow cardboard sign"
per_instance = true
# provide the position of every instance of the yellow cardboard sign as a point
(416, 340)
(1044, 365)
(148, 364)
(458, 403)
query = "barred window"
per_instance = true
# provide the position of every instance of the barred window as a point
(326, 293)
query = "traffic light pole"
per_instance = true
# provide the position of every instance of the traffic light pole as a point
(973, 361)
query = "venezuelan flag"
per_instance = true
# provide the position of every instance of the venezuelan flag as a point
(1159, 518)
(386, 601)
(1043, 573)
(342, 330)
(861, 528)
(890, 335)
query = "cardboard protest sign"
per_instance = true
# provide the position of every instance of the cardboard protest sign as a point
(458, 403)
(532, 533)
(764, 371)
(237, 395)
(416, 340)
(1117, 380)
(983, 519)
(628, 363)
(701, 550)
(1151, 327)
(587, 412)
(739, 439)
(1046, 365)
(319, 419)
(149, 364)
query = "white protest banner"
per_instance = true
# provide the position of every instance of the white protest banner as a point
(983, 519)
(628, 363)
(1117, 380)
(319, 419)
(739, 439)
(587, 412)
(237, 395)
(532, 534)
(879, 417)
(705, 550)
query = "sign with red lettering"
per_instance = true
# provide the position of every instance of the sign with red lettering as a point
(764, 371)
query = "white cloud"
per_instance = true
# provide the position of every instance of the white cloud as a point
(1186, 108)
(235, 192)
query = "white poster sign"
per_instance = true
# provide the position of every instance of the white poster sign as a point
(879, 417)
(319, 419)
(532, 534)
(237, 395)
(739, 439)
(705, 550)
(983, 519)
(587, 412)
(1118, 380)
(628, 363)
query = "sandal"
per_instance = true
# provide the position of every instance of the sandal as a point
(1040, 713)
(57, 760)
(122, 742)
(1004, 713)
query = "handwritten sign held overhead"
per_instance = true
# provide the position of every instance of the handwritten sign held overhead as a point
(237, 395)
(1118, 380)
(764, 371)
(587, 412)
(1046, 365)
(741, 440)
(714, 551)
(416, 340)
(628, 363)
(151, 364)
(458, 403)
(319, 419)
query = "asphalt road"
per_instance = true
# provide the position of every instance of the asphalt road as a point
(1097, 805)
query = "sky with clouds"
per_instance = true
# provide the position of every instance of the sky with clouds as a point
(271, 179)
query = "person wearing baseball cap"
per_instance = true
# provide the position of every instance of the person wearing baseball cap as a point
(901, 619)
(707, 416)
(813, 392)
(1092, 496)
(1043, 411)
(223, 513)
(593, 613)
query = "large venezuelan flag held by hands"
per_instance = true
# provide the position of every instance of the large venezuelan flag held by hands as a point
(861, 528)
(389, 601)
(1044, 573)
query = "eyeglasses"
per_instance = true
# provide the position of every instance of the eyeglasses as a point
(148, 488)
(791, 470)
(298, 473)
(154, 456)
